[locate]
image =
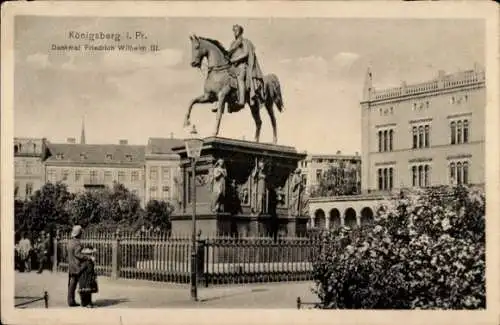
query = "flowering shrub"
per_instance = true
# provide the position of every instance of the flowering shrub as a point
(425, 250)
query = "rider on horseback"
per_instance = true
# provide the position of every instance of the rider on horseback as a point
(242, 56)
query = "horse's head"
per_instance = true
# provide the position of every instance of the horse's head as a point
(197, 52)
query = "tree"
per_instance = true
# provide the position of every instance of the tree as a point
(47, 208)
(425, 250)
(339, 179)
(106, 209)
(157, 215)
(88, 208)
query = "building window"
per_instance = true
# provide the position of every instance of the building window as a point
(135, 176)
(459, 132)
(65, 175)
(426, 136)
(385, 140)
(465, 171)
(452, 173)
(29, 189)
(459, 172)
(16, 189)
(421, 136)
(165, 173)
(391, 134)
(128, 157)
(426, 175)
(453, 131)
(51, 176)
(380, 180)
(83, 156)
(415, 137)
(153, 173)
(379, 141)
(420, 175)
(28, 168)
(121, 177)
(385, 178)
(109, 156)
(108, 176)
(93, 176)
(466, 131)
(78, 175)
(153, 193)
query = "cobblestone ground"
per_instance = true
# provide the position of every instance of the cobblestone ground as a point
(145, 294)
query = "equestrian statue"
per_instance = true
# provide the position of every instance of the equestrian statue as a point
(234, 79)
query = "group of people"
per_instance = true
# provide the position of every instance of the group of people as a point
(81, 267)
(39, 254)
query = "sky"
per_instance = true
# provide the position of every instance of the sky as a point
(321, 64)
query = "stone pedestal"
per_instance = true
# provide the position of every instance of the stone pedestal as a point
(239, 211)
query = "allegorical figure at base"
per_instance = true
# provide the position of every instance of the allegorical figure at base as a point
(258, 188)
(297, 189)
(218, 185)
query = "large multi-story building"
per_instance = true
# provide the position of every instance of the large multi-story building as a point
(162, 169)
(419, 135)
(150, 172)
(87, 166)
(28, 166)
(425, 134)
(314, 167)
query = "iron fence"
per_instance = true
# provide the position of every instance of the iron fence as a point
(220, 259)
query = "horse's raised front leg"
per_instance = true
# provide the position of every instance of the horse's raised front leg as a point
(220, 107)
(205, 98)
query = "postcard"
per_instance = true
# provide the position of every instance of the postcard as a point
(250, 162)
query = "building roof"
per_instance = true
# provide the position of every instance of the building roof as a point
(95, 154)
(163, 145)
(333, 157)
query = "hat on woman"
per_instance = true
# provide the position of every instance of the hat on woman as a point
(77, 230)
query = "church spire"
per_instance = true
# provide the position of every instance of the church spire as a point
(368, 87)
(82, 136)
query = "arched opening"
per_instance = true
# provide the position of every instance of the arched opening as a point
(335, 218)
(319, 219)
(16, 149)
(366, 216)
(350, 218)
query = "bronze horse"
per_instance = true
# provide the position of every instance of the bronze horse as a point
(221, 86)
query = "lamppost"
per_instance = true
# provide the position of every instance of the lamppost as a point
(193, 149)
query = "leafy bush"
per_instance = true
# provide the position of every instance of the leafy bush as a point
(425, 250)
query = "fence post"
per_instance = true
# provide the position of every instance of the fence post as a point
(115, 253)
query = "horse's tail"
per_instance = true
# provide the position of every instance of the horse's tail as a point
(273, 88)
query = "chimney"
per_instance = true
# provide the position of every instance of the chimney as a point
(356, 153)
(71, 140)
(441, 74)
(339, 152)
(171, 135)
(123, 142)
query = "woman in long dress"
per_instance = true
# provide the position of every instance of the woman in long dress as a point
(87, 282)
